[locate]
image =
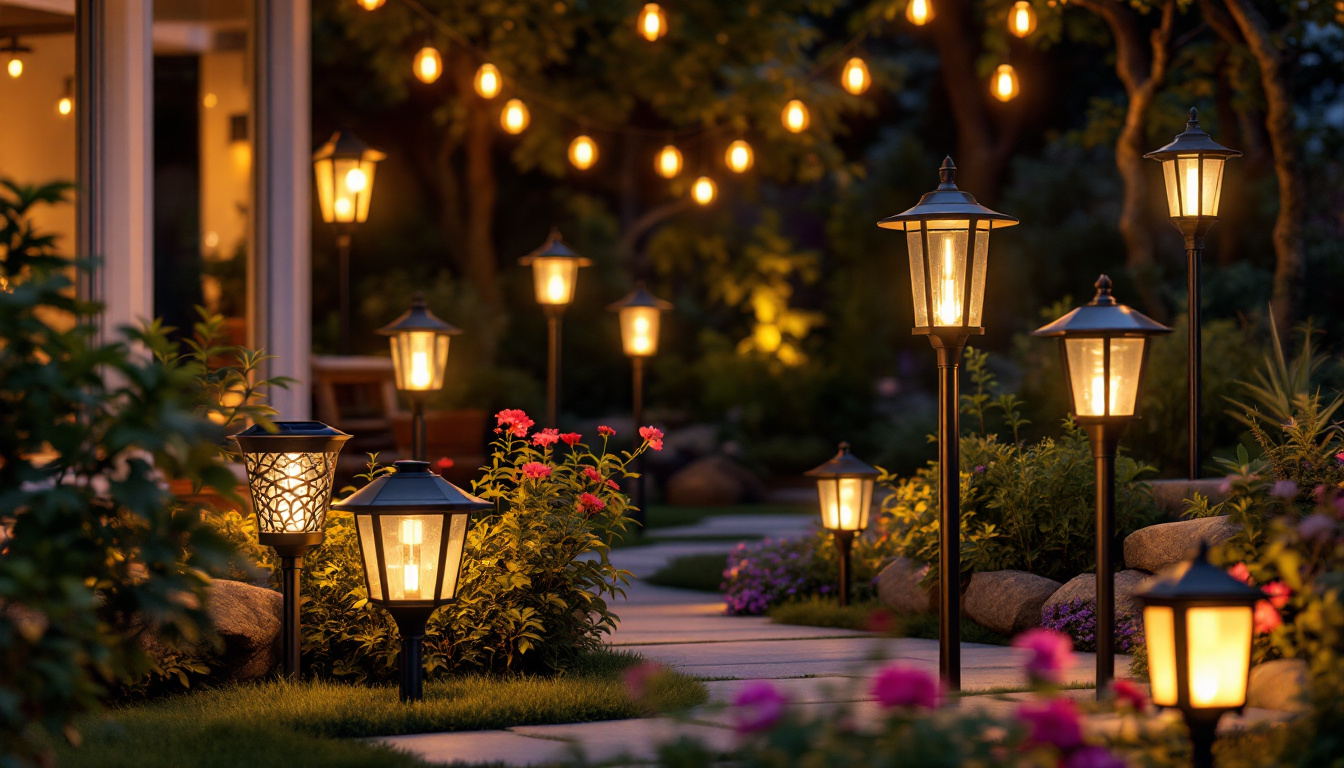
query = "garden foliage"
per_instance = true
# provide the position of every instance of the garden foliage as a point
(765, 574)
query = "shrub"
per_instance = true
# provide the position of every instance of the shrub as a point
(765, 574)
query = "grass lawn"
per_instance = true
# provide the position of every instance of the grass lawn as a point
(311, 724)
(703, 573)
(819, 612)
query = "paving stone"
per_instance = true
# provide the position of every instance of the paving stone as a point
(474, 747)
(633, 740)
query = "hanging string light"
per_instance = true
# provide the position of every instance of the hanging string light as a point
(855, 77)
(15, 66)
(1021, 19)
(515, 117)
(919, 12)
(428, 65)
(583, 152)
(66, 105)
(704, 190)
(1005, 85)
(370, 5)
(488, 82)
(668, 162)
(652, 22)
(739, 157)
(795, 116)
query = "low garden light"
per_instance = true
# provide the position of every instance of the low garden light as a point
(290, 473)
(428, 64)
(487, 81)
(1021, 19)
(855, 77)
(419, 343)
(1192, 170)
(640, 314)
(555, 270)
(515, 117)
(1198, 624)
(1104, 348)
(795, 116)
(652, 22)
(947, 236)
(739, 158)
(845, 490)
(668, 163)
(412, 530)
(344, 168)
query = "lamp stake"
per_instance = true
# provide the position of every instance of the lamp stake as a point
(1105, 439)
(290, 567)
(343, 253)
(949, 345)
(637, 374)
(553, 314)
(844, 544)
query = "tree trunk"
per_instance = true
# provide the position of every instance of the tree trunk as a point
(1274, 77)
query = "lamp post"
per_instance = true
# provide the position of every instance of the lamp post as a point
(344, 169)
(1198, 624)
(555, 269)
(1104, 347)
(412, 530)
(290, 473)
(947, 235)
(640, 313)
(845, 491)
(419, 356)
(1192, 169)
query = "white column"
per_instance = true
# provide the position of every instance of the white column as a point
(280, 268)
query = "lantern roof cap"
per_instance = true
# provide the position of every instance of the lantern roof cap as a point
(1193, 140)
(419, 318)
(1103, 315)
(1198, 580)
(412, 486)
(345, 145)
(947, 202)
(640, 297)
(554, 248)
(844, 464)
(291, 437)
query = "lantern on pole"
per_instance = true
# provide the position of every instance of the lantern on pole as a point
(344, 168)
(1192, 169)
(947, 236)
(845, 491)
(640, 314)
(419, 343)
(555, 270)
(1104, 348)
(290, 474)
(412, 530)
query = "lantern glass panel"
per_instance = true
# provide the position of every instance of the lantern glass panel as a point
(639, 330)
(1190, 192)
(365, 195)
(554, 279)
(914, 239)
(370, 552)
(452, 565)
(844, 502)
(345, 202)
(418, 358)
(290, 491)
(1219, 655)
(978, 268)
(411, 551)
(1159, 629)
(325, 188)
(947, 273)
(1090, 379)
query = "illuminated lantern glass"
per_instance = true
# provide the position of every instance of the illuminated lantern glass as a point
(1105, 350)
(640, 313)
(583, 152)
(1005, 86)
(855, 77)
(845, 490)
(795, 116)
(428, 64)
(371, 5)
(290, 474)
(652, 22)
(344, 169)
(919, 12)
(668, 163)
(947, 236)
(739, 158)
(419, 343)
(704, 190)
(515, 117)
(555, 270)
(1192, 170)
(1021, 19)
(488, 81)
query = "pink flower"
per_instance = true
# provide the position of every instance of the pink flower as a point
(1340, 457)
(1241, 573)
(757, 707)
(605, 431)
(1316, 526)
(571, 438)
(592, 474)
(536, 470)
(590, 504)
(1093, 757)
(905, 686)
(515, 420)
(546, 438)
(1279, 593)
(1267, 617)
(1127, 693)
(638, 678)
(613, 485)
(653, 436)
(1053, 722)
(1284, 489)
(1051, 654)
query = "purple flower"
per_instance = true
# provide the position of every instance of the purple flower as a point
(757, 707)
(1051, 654)
(1315, 526)
(1226, 485)
(904, 686)
(1093, 757)
(1284, 489)
(979, 469)
(1053, 722)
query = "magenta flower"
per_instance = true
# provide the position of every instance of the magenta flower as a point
(605, 431)
(638, 678)
(757, 707)
(571, 438)
(653, 436)
(1093, 757)
(515, 420)
(1051, 654)
(1127, 693)
(904, 686)
(1053, 722)
(536, 470)
(546, 438)
(592, 474)
(590, 504)
(1241, 573)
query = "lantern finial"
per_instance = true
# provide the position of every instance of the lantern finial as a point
(1194, 118)
(1103, 297)
(947, 173)
(844, 446)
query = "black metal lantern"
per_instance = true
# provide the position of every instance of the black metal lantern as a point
(845, 491)
(290, 473)
(947, 236)
(1104, 348)
(640, 314)
(1198, 623)
(412, 530)
(419, 343)
(343, 169)
(555, 270)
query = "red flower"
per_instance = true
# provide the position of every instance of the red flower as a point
(443, 465)
(536, 470)
(1128, 693)
(592, 474)
(1267, 617)
(571, 438)
(515, 419)
(590, 504)
(653, 436)
(1278, 593)
(546, 438)
(605, 431)
(613, 485)
(1240, 572)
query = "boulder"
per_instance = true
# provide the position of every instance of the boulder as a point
(898, 587)
(713, 481)
(1007, 602)
(1279, 684)
(1170, 495)
(1157, 547)
(1083, 588)
(247, 622)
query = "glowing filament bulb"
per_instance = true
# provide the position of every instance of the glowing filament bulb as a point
(1022, 19)
(370, 5)
(848, 517)
(795, 117)
(289, 484)
(488, 81)
(669, 162)
(652, 22)
(65, 106)
(428, 65)
(1005, 83)
(15, 67)
(421, 377)
(704, 190)
(642, 341)
(1192, 187)
(412, 536)
(356, 180)
(919, 12)
(739, 157)
(949, 304)
(855, 78)
(555, 289)
(515, 117)
(344, 208)
(412, 531)
(583, 152)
